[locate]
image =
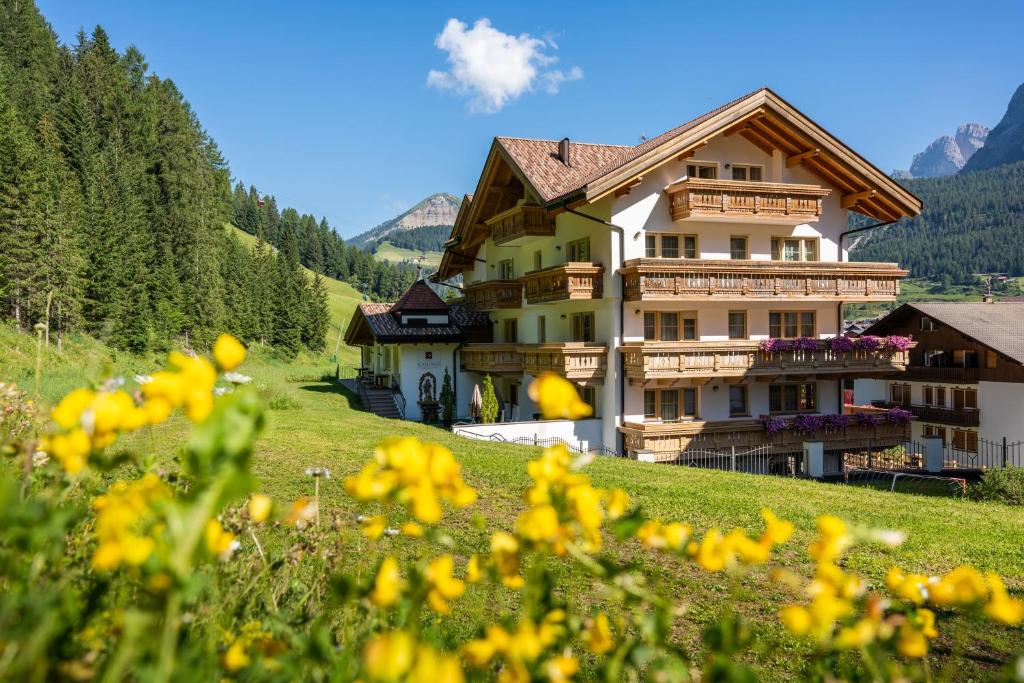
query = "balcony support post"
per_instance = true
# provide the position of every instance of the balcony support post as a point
(933, 454)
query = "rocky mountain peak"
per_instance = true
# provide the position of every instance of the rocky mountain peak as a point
(437, 209)
(947, 154)
(1005, 144)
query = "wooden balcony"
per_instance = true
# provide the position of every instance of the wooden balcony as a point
(667, 439)
(650, 361)
(495, 359)
(577, 361)
(965, 417)
(520, 222)
(716, 200)
(679, 279)
(491, 295)
(953, 375)
(567, 282)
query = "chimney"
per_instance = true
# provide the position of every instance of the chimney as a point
(563, 151)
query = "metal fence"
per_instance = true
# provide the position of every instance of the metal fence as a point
(759, 460)
(987, 455)
(597, 449)
(908, 455)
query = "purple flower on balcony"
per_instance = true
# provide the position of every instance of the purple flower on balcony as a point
(773, 425)
(841, 344)
(867, 419)
(899, 416)
(835, 423)
(772, 345)
(808, 424)
(806, 344)
(868, 343)
(895, 342)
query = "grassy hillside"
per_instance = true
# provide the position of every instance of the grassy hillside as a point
(318, 424)
(390, 252)
(342, 299)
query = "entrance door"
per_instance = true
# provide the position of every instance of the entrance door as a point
(958, 401)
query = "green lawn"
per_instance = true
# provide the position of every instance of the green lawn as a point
(390, 252)
(324, 428)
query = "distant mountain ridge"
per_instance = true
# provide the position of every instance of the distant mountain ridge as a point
(1005, 143)
(947, 154)
(426, 217)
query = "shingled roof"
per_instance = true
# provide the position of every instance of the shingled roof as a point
(420, 297)
(999, 325)
(539, 162)
(376, 321)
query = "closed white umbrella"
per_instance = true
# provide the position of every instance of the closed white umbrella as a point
(476, 403)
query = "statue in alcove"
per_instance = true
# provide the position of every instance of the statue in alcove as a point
(428, 397)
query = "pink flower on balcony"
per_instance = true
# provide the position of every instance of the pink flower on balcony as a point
(841, 344)
(899, 416)
(806, 344)
(773, 425)
(895, 342)
(772, 345)
(868, 343)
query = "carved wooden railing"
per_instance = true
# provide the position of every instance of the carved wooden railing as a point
(519, 222)
(567, 282)
(667, 439)
(954, 375)
(785, 202)
(572, 360)
(694, 359)
(673, 279)
(967, 417)
(494, 294)
(492, 358)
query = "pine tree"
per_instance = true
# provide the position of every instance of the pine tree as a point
(289, 285)
(318, 317)
(489, 406)
(447, 399)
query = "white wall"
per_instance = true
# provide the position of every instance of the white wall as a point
(1002, 411)
(713, 316)
(417, 360)
(867, 390)
(580, 434)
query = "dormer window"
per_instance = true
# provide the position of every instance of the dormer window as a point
(927, 324)
(416, 322)
(705, 171)
(746, 172)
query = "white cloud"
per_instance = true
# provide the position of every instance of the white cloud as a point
(492, 68)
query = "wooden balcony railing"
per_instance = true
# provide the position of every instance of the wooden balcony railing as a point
(694, 359)
(677, 279)
(667, 439)
(733, 199)
(494, 294)
(580, 361)
(492, 358)
(953, 375)
(965, 417)
(567, 282)
(520, 222)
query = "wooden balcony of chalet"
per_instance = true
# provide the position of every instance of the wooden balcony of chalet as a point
(567, 282)
(667, 439)
(649, 279)
(650, 361)
(514, 225)
(950, 374)
(492, 295)
(577, 361)
(717, 200)
(966, 417)
(494, 359)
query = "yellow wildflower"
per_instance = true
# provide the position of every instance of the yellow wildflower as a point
(963, 585)
(389, 656)
(260, 505)
(387, 587)
(473, 573)
(598, 635)
(218, 541)
(432, 667)
(228, 352)
(714, 554)
(796, 618)
(557, 398)
(443, 585)
(776, 531)
(71, 449)
(1001, 607)
(539, 524)
(561, 668)
(69, 411)
(412, 529)
(912, 643)
(833, 539)
(236, 657)
(373, 527)
(862, 633)
(617, 502)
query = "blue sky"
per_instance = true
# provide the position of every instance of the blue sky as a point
(328, 106)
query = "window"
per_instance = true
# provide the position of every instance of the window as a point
(578, 250)
(746, 172)
(738, 400)
(965, 358)
(513, 394)
(964, 440)
(792, 398)
(738, 248)
(663, 326)
(933, 430)
(670, 246)
(589, 396)
(899, 394)
(506, 269)
(737, 324)
(791, 324)
(583, 327)
(795, 248)
(965, 399)
(542, 332)
(702, 170)
(670, 404)
(927, 324)
(990, 359)
(935, 396)
(935, 358)
(537, 262)
(510, 330)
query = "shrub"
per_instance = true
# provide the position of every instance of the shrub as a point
(1003, 485)
(447, 398)
(489, 408)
